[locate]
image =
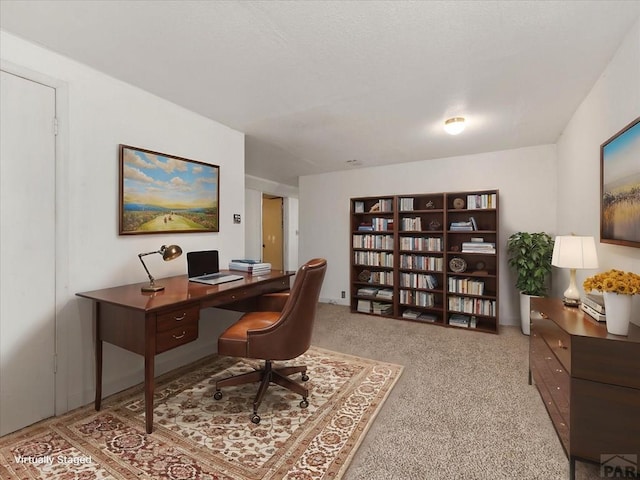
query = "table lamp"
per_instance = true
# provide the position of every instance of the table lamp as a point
(572, 252)
(168, 253)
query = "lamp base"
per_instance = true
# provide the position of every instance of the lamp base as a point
(152, 288)
(570, 302)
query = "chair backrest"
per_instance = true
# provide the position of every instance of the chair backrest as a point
(290, 336)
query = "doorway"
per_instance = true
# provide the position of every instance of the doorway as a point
(273, 231)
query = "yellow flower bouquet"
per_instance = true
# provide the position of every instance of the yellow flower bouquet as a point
(614, 281)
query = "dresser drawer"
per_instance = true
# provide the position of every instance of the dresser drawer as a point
(558, 341)
(559, 420)
(548, 372)
(176, 318)
(176, 337)
(607, 361)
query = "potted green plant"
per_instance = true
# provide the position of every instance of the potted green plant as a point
(530, 255)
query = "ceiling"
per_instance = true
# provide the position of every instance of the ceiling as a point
(321, 86)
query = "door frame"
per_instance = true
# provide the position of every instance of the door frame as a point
(61, 235)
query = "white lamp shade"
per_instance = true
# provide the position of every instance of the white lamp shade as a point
(454, 126)
(572, 251)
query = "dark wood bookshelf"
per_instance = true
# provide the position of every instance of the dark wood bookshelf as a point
(406, 243)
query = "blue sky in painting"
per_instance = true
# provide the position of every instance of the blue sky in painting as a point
(622, 156)
(168, 182)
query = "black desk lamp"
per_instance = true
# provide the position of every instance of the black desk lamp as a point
(168, 253)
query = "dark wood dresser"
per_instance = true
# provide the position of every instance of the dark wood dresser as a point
(589, 381)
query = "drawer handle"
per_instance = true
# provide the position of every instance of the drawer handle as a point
(177, 319)
(178, 337)
(561, 345)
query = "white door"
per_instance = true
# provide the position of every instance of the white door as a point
(27, 252)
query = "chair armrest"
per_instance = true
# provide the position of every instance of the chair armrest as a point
(272, 302)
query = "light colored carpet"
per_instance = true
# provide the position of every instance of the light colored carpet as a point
(196, 437)
(462, 409)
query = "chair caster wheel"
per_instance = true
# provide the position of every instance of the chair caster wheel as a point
(217, 395)
(305, 377)
(304, 403)
(255, 418)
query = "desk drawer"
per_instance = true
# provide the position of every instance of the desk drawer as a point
(177, 318)
(239, 294)
(176, 337)
(234, 295)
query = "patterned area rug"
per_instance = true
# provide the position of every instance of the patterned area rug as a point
(197, 437)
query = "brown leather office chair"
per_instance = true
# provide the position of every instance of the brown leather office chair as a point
(280, 331)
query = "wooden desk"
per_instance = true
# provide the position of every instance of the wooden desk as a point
(152, 323)
(588, 379)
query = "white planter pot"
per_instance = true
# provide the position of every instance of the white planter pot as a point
(526, 314)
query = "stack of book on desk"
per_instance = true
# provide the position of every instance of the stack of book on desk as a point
(254, 267)
(593, 305)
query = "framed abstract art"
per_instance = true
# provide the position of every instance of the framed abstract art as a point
(620, 187)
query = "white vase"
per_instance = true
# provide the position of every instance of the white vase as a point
(618, 312)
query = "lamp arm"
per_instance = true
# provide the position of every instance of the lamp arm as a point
(140, 255)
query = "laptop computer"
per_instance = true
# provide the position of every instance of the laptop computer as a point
(204, 267)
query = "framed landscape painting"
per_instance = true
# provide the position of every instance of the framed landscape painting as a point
(620, 187)
(161, 193)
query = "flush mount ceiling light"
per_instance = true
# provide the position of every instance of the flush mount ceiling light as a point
(453, 126)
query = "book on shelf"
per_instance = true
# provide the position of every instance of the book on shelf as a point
(422, 316)
(478, 247)
(358, 207)
(459, 320)
(368, 291)
(364, 306)
(365, 227)
(487, 200)
(382, 308)
(406, 204)
(385, 294)
(594, 301)
(600, 317)
(461, 226)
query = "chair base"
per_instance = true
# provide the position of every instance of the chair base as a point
(265, 376)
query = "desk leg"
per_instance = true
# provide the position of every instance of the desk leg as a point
(148, 392)
(572, 467)
(149, 367)
(98, 399)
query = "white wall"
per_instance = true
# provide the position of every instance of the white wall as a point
(613, 103)
(525, 178)
(253, 224)
(96, 114)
